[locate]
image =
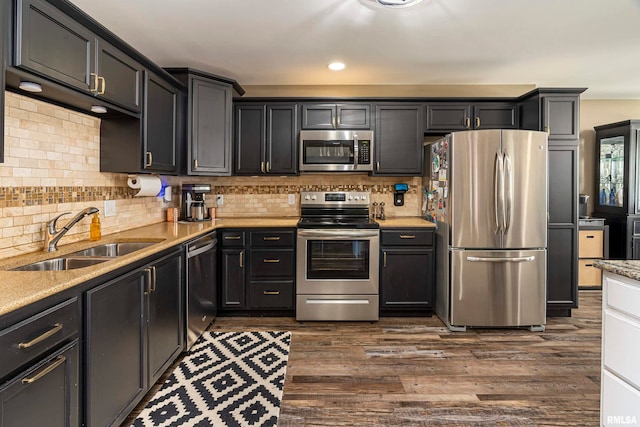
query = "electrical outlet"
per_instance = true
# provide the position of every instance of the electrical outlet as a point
(109, 208)
(219, 200)
(292, 199)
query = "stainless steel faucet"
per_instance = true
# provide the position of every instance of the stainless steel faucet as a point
(52, 236)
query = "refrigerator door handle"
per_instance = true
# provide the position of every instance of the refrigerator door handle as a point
(508, 191)
(498, 175)
(501, 259)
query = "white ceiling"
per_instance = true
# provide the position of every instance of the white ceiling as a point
(549, 43)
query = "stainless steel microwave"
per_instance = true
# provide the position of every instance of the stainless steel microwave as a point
(336, 151)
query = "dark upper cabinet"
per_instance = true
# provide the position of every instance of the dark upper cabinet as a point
(160, 125)
(131, 145)
(336, 116)
(555, 111)
(50, 43)
(208, 122)
(495, 116)
(3, 62)
(399, 136)
(119, 77)
(446, 116)
(266, 139)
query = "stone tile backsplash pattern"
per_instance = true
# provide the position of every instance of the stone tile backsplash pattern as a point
(52, 165)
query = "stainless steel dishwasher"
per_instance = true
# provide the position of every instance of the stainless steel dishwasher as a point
(201, 286)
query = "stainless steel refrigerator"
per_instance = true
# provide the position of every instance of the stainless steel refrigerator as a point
(487, 192)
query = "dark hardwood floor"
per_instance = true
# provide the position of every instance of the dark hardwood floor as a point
(414, 372)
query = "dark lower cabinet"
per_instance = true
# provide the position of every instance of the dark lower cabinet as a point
(134, 330)
(399, 138)
(407, 271)
(258, 269)
(46, 394)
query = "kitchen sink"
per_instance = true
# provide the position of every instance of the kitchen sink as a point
(66, 263)
(112, 249)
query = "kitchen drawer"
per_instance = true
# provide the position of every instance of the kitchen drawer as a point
(622, 295)
(269, 263)
(588, 275)
(621, 345)
(271, 294)
(232, 239)
(620, 402)
(590, 243)
(31, 338)
(406, 237)
(272, 239)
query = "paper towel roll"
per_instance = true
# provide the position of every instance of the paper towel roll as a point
(147, 184)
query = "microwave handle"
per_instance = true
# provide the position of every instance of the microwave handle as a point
(355, 151)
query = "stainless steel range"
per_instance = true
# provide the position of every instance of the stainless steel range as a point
(337, 257)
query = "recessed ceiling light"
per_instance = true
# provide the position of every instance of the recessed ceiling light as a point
(98, 109)
(397, 4)
(30, 87)
(337, 66)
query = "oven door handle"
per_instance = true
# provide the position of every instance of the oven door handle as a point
(338, 234)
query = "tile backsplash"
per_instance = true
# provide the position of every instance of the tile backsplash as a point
(52, 165)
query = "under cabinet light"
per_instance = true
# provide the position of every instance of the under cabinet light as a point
(98, 109)
(30, 87)
(337, 66)
(396, 4)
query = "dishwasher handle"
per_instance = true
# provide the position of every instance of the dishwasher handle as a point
(198, 248)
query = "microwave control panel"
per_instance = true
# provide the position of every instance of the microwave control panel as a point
(364, 152)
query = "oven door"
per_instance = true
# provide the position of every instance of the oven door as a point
(337, 261)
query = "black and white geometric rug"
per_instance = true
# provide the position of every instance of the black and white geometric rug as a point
(227, 379)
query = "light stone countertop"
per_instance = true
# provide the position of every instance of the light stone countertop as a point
(626, 268)
(405, 222)
(21, 288)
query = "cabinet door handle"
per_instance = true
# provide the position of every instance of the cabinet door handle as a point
(378, 166)
(333, 122)
(59, 361)
(271, 292)
(57, 327)
(195, 164)
(231, 237)
(407, 236)
(262, 167)
(338, 120)
(547, 130)
(149, 159)
(241, 259)
(275, 238)
(467, 122)
(94, 87)
(477, 122)
(268, 167)
(155, 278)
(149, 278)
(272, 261)
(384, 259)
(103, 86)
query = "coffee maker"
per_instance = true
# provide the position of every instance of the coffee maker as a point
(192, 206)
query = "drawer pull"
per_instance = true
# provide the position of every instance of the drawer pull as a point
(45, 371)
(272, 239)
(271, 260)
(231, 237)
(56, 328)
(588, 265)
(242, 259)
(590, 236)
(271, 292)
(407, 236)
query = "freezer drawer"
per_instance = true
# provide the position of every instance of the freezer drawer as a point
(498, 288)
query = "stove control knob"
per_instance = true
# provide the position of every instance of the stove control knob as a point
(363, 198)
(313, 197)
(351, 197)
(307, 197)
(356, 197)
